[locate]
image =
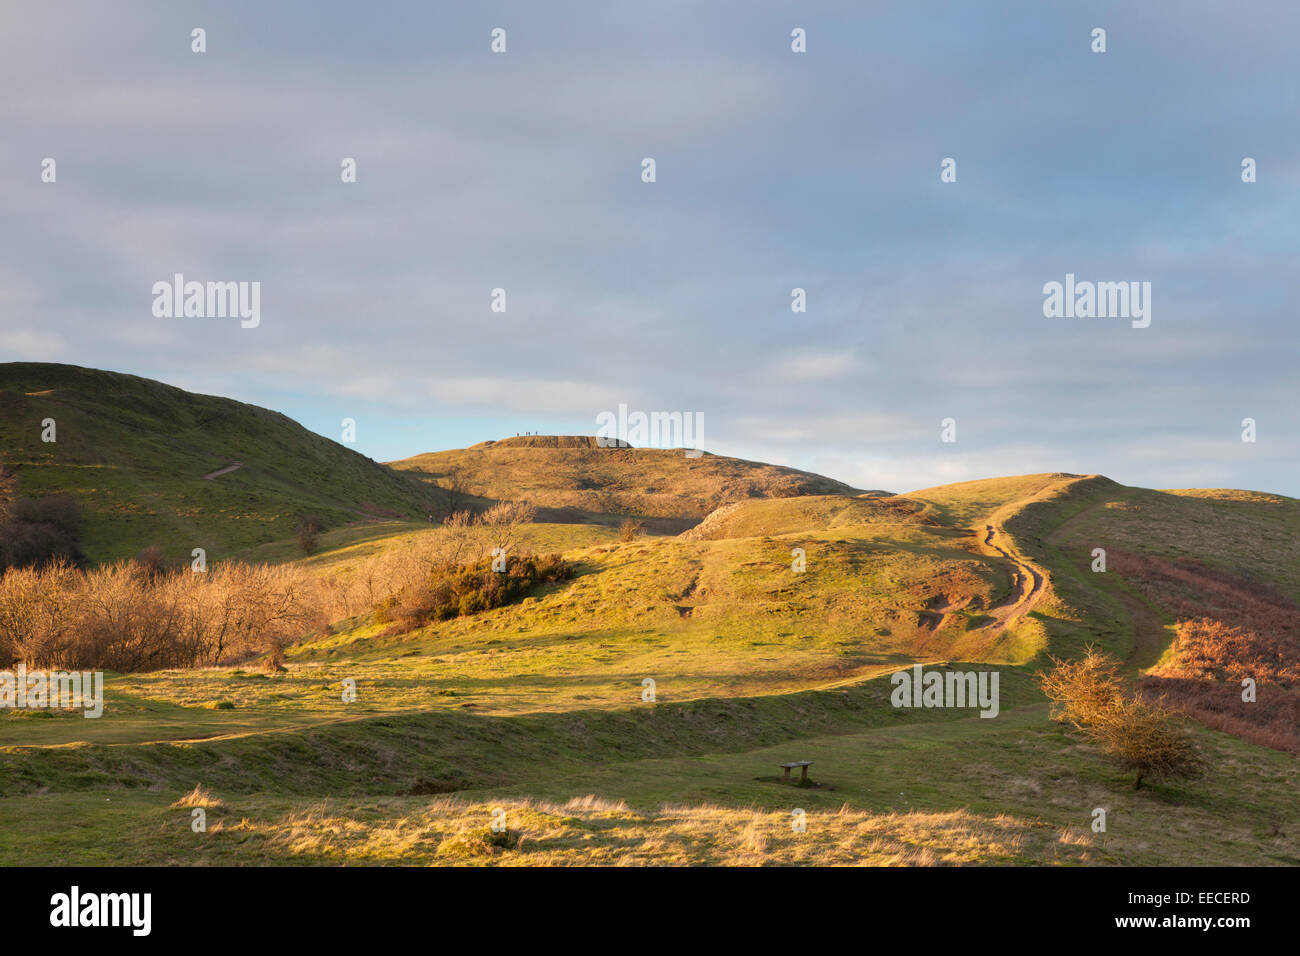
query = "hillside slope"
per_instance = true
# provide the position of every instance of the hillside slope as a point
(570, 474)
(135, 453)
(1196, 589)
(539, 706)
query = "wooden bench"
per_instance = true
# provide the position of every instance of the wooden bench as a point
(803, 766)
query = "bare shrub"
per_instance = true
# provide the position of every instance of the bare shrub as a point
(1082, 689)
(1142, 736)
(35, 532)
(308, 534)
(152, 561)
(34, 610)
(509, 514)
(124, 617)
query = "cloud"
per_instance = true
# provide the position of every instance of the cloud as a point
(775, 170)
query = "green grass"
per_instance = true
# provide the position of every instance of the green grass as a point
(1241, 532)
(968, 504)
(1015, 790)
(717, 619)
(536, 707)
(134, 452)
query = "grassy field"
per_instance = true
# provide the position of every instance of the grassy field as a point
(536, 709)
(1016, 790)
(769, 628)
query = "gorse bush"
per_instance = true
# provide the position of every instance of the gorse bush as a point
(461, 590)
(380, 582)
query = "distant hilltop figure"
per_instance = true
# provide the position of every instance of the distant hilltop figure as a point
(534, 440)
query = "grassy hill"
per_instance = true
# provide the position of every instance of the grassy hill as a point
(134, 452)
(578, 481)
(536, 707)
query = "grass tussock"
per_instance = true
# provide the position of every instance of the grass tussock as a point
(200, 796)
(477, 842)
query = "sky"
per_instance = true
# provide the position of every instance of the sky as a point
(774, 170)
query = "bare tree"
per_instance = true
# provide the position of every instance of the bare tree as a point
(459, 537)
(308, 533)
(504, 523)
(455, 488)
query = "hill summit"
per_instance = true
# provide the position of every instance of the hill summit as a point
(574, 475)
(551, 441)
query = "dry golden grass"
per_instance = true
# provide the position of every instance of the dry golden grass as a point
(200, 796)
(568, 472)
(971, 503)
(780, 516)
(589, 830)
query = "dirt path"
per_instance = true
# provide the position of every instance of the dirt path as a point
(233, 466)
(1026, 590)
(1027, 585)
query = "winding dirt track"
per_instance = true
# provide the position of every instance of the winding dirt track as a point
(1026, 590)
(1027, 587)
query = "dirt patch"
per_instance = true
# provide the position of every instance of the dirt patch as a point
(214, 475)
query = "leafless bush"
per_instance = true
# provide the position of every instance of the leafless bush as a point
(1141, 735)
(126, 617)
(1081, 690)
(308, 534)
